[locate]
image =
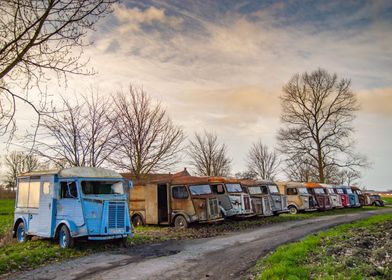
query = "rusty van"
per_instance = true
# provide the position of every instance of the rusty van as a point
(344, 197)
(266, 199)
(321, 197)
(240, 200)
(177, 201)
(336, 199)
(353, 199)
(299, 199)
(361, 196)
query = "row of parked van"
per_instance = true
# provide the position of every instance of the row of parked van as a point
(182, 200)
(100, 204)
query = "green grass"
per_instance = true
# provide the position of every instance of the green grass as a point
(388, 200)
(311, 259)
(6, 215)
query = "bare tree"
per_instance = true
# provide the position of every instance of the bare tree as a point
(349, 177)
(16, 163)
(82, 134)
(263, 162)
(208, 157)
(39, 39)
(147, 139)
(318, 110)
(246, 175)
(299, 170)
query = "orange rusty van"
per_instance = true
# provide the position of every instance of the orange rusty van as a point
(298, 196)
(174, 200)
(322, 199)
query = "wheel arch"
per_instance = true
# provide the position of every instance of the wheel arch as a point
(19, 220)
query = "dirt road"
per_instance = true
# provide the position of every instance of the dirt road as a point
(223, 257)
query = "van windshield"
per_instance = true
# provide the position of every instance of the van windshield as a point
(319, 191)
(234, 188)
(200, 189)
(303, 191)
(349, 191)
(340, 191)
(330, 191)
(254, 190)
(102, 187)
(273, 189)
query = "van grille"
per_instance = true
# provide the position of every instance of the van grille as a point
(284, 202)
(267, 211)
(116, 217)
(246, 202)
(213, 208)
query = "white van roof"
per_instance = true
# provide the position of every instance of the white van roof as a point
(83, 172)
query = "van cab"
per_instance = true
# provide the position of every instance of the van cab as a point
(72, 203)
(353, 199)
(299, 199)
(344, 197)
(240, 200)
(177, 201)
(321, 197)
(336, 200)
(266, 198)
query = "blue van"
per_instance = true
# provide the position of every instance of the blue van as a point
(72, 203)
(353, 198)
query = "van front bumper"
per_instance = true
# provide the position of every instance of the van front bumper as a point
(108, 237)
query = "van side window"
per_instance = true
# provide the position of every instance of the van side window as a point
(180, 192)
(28, 194)
(72, 193)
(291, 191)
(218, 189)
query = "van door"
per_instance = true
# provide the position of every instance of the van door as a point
(163, 209)
(46, 211)
(69, 206)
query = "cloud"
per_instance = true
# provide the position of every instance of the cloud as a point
(377, 101)
(130, 19)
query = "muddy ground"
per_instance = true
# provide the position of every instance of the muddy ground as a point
(223, 257)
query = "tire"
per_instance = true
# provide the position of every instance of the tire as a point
(293, 210)
(137, 221)
(65, 238)
(180, 222)
(21, 236)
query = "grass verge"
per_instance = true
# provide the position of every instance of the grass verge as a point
(360, 250)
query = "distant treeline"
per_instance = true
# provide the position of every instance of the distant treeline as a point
(6, 194)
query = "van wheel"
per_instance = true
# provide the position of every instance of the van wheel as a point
(180, 222)
(137, 221)
(293, 210)
(21, 236)
(65, 238)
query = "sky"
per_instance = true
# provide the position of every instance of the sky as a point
(221, 65)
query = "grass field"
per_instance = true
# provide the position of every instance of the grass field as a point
(6, 215)
(388, 200)
(360, 250)
(14, 257)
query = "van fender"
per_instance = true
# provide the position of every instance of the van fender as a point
(17, 221)
(223, 211)
(292, 204)
(71, 226)
(138, 213)
(176, 213)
